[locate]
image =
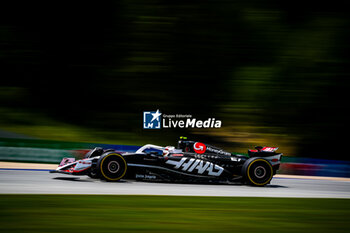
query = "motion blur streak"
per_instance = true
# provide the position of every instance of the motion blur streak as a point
(275, 73)
(41, 182)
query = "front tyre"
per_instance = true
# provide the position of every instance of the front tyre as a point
(112, 166)
(257, 171)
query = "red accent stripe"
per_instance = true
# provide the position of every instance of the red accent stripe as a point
(81, 170)
(176, 155)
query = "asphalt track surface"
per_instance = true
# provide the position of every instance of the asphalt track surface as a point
(23, 181)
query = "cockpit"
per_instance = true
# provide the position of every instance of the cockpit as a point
(158, 150)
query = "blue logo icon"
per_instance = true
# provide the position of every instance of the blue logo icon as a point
(151, 120)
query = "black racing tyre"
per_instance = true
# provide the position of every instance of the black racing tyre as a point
(257, 171)
(111, 166)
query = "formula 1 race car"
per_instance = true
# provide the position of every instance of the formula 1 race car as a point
(190, 162)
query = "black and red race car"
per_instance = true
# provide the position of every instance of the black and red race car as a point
(189, 162)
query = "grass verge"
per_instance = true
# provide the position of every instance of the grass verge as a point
(99, 213)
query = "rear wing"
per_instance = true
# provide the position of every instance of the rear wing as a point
(261, 151)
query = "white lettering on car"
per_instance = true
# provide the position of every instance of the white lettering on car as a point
(196, 165)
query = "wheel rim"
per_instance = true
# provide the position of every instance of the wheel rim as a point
(260, 172)
(113, 167)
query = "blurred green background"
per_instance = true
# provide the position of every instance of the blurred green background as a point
(113, 213)
(275, 72)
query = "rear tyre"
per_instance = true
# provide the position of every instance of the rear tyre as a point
(111, 166)
(257, 171)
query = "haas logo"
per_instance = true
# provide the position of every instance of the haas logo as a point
(197, 165)
(199, 148)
